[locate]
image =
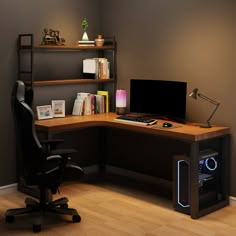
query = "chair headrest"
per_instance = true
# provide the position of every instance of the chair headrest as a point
(20, 91)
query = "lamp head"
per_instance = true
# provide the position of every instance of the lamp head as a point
(194, 93)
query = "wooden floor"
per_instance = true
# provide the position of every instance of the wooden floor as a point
(118, 208)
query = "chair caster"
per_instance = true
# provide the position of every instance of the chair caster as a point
(76, 218)
(36, 228)
(9, 219)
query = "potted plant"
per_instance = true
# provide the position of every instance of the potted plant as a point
(84, 25)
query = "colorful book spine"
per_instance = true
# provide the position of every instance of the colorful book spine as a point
(106, 95)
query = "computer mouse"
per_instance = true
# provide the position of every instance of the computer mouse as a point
(167, 125)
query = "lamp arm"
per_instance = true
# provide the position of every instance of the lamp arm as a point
(216, 107)
(208, 99)
(211, 101)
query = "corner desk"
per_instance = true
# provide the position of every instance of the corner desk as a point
(196, 138)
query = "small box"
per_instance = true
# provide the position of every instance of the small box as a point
(89, 66)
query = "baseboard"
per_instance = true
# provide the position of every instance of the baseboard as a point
(139, 176)
(13, 187)
(114, 170)
(232, 201)
(8, 189)
(150, 179)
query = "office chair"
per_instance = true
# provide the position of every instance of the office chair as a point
(40, 164)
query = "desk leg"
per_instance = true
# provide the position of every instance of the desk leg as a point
(221, 199)
(225, 165)
(194, 194)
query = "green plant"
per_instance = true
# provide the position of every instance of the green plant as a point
(84, 24)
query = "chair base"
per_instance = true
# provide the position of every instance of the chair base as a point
(59, 206)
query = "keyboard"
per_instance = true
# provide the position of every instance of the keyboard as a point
(137, 120)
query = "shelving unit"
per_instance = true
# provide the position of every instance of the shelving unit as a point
(27, 50)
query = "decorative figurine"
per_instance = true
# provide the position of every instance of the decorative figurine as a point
(99, 41)
(52, 37)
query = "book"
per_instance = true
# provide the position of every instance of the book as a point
(87, 102)
(86, 42)
(106, 95)
(78, 107)
(102, 68)
(86, 45)
(93, 103)
(99, 107)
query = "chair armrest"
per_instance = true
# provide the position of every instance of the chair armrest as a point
(54, 157)
(51, 141)
(62, 152)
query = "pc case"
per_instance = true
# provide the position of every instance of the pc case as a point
(209, 180)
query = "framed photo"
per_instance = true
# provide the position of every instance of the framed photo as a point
(44, 112)
(58, 108)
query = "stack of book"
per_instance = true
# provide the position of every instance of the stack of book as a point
(89, 104)
(86, 43)
(98, 68)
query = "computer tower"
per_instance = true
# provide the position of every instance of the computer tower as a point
(209, 180)
(181, 184)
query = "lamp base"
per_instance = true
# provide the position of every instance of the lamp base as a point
(207, 125)
(120, 110)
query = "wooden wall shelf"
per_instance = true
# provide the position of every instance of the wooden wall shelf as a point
(71, 81)
(75, 47)
(66, 48)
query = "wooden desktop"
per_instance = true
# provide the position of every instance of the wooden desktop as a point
(195, 137)
(189, 132)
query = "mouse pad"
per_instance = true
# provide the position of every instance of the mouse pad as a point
(161, 127)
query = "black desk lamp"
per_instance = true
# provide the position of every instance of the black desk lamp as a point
(194, 94)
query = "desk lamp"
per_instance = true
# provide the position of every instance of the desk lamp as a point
(194, 94)
(120, 101)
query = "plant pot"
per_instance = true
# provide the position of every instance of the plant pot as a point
(85, 36)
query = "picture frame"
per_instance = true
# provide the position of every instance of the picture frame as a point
(58, 108)
(44, 112)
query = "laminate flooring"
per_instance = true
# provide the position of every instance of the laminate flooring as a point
(118, 207)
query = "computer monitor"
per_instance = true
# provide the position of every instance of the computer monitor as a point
(160, 98)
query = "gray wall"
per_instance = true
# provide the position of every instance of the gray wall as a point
(28, 16)
(186, 40)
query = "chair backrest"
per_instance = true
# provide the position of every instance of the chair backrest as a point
(30, 148)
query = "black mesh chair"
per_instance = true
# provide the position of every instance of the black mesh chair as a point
(41, 164)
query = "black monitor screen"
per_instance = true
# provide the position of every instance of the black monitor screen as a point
(158, 97)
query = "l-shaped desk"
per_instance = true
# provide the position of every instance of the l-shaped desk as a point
(217, 137)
